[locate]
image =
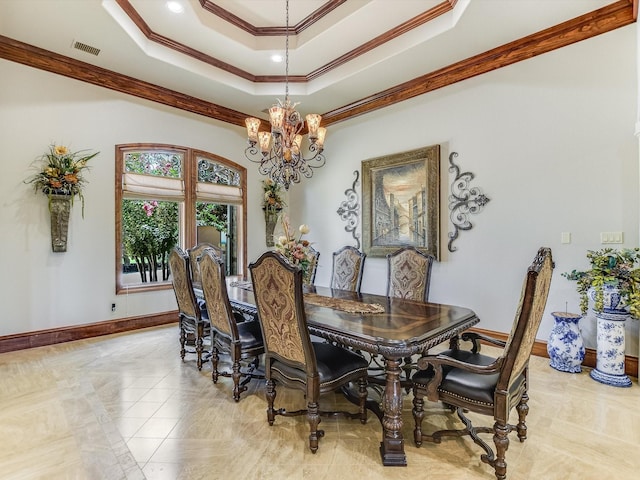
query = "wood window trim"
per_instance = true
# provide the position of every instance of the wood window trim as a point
(189, 234)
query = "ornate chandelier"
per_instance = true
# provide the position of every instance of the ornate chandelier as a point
(280, 151)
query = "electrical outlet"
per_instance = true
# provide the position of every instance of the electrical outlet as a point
(113, 307)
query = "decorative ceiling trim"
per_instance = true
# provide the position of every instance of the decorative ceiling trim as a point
(603, 20)
(415, 22)
(271, 31)
(599, 21)
(179, 47)
(36, 57)
(425, 17)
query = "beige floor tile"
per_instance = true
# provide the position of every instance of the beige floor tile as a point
(99, 409)
(156, 428)
(143, 449)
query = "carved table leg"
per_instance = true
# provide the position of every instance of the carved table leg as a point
(392, 445)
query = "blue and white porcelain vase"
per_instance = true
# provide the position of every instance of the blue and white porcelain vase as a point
(610, 340)
(565, 346)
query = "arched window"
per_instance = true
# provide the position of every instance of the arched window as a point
(166, 196)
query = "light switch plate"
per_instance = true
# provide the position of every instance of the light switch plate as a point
(611, 237)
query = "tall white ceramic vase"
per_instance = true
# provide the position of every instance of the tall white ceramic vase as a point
(610, 340)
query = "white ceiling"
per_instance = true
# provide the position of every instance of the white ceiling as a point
(469, 28)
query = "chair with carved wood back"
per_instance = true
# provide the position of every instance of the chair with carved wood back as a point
(409, 277)
(193, 321)
(469, 381)
(194, 254)
(241, 340)
(409, 274)
(348, 265)
(291, 358)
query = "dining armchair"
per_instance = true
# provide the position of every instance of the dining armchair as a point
(348, 265)
(242, 341)
(468, 381)
(193, 321)
(409, 274)
(291, 358)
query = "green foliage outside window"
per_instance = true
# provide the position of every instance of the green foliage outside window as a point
(150, 228)
(211, 215)
(149, 232)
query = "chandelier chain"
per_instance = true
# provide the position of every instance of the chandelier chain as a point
(279, 152)
(286, 55)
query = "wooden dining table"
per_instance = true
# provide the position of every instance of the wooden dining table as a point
(391, 327)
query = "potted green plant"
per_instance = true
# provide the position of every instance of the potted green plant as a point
(610, 268)
(613, 282)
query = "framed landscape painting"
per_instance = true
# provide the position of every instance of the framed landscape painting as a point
(401, 202)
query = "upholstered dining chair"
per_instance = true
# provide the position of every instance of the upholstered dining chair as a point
(409, 277)
(291, 358)
(469, 381)
(242, 341)
(409, 274)
(194, 254)
(348, 265)
(193, 321)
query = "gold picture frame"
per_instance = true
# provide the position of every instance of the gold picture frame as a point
(401, 202)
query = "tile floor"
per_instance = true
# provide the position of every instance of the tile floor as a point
(126, 407)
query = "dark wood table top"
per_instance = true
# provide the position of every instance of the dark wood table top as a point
(405, 328)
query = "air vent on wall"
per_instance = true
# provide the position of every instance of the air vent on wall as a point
(86, 48)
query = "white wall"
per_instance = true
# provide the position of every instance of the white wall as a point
(550, 141)
(40, 289)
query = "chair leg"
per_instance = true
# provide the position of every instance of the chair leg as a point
(362, 394)
(418, 416)
(523, 410)
(407, 367)
(313, 416)
(236, 375)
(501, 440)
(271, 397)
(199, 344)
(183, 340)
(215, 358)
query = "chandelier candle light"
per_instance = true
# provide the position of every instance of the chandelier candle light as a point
(280, 150)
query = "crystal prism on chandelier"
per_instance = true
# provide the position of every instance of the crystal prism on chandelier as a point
(279, 152)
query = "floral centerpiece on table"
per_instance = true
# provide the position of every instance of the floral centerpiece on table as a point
(296, 250)
(610, 267)
(61, 173)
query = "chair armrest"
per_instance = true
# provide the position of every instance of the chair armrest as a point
(437, 361)
(476, 338)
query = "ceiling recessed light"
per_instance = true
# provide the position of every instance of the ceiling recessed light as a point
(175, 7)
(276, 58)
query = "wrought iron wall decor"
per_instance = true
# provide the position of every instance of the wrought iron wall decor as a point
(349, 210)
(463, 201)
